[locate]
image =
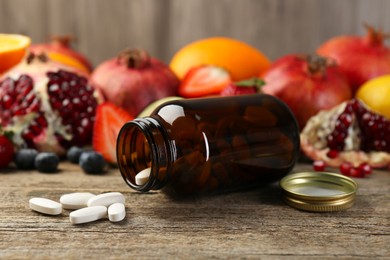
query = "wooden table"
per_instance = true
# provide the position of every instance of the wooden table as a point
(251, 224)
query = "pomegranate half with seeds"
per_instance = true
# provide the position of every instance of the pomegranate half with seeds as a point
(47, 105)
(349, 132)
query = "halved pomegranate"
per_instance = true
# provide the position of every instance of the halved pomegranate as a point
(47, 105)
(350, 132)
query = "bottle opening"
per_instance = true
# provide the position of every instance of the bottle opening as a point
(142, 154)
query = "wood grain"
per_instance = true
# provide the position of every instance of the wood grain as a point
(250, 224)
(277, 27)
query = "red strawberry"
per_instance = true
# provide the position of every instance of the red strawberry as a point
(249, 86)
(6, 151)
(203, 81)
(108, 122)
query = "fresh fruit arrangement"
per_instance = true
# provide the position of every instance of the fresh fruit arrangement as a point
(56, 106)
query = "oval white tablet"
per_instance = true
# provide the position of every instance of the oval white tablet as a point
(45, 206)
(76, 200)
(142, 177)
(116, 212)
(106, 199)
(87, 214)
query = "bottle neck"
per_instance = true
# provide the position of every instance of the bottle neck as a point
(143, 143)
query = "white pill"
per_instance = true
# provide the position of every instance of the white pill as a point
(106, 199)
(116, 212)
(142, 177)
(45, 206)
(88, 214)
(76, 200)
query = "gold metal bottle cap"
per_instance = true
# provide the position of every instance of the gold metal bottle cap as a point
(319, 191)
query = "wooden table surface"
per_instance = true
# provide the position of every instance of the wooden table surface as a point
(251, 224)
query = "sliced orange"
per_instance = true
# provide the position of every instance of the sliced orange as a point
(69, 61)
(12, 50)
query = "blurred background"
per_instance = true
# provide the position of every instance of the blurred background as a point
(102, 28)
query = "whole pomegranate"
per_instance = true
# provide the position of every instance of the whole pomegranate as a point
(59, 48)
(349, 132)
(359, 58)
(307, 84)
(47, 105)
(133, 80)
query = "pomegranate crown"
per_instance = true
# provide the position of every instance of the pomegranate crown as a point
(375, 36)
(42, 57)
(317, 64)
(134, 58)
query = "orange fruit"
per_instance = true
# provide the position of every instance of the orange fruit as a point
(375, 93)
(71, 62)
(241, 60)
(12, 50)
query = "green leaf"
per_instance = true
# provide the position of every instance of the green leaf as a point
(250, 83)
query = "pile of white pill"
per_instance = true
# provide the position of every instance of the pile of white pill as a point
(87, 207)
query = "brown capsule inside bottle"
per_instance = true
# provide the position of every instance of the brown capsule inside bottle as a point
(210, 144)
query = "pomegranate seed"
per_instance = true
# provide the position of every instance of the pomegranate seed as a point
(345, 168)
(41, 121)
(34, 106)
(365, 168)
(356, 172)
(345, 119)
(18, 111)
(27, 135)
(54, 89)
(65, 86)
(8, 85)
(349, 108)
(358, 107)
(7, 101)
(319, 165)
(332, 154)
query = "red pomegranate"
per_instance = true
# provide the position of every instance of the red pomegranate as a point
(133, 80)
(349, 132)
(307, 84)
(61, 45)
(47, 105)
(359, 58)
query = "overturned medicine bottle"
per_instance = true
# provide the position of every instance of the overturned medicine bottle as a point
(210, 145)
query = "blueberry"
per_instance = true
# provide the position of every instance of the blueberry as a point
(73, 154)
(92, 162)
(47, 162)
(24, 158)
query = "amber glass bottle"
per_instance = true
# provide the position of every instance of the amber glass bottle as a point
(210, 144)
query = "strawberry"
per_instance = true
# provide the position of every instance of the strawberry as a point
(108, 122)
(6, 150)
(203, 81)
(249, 86)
